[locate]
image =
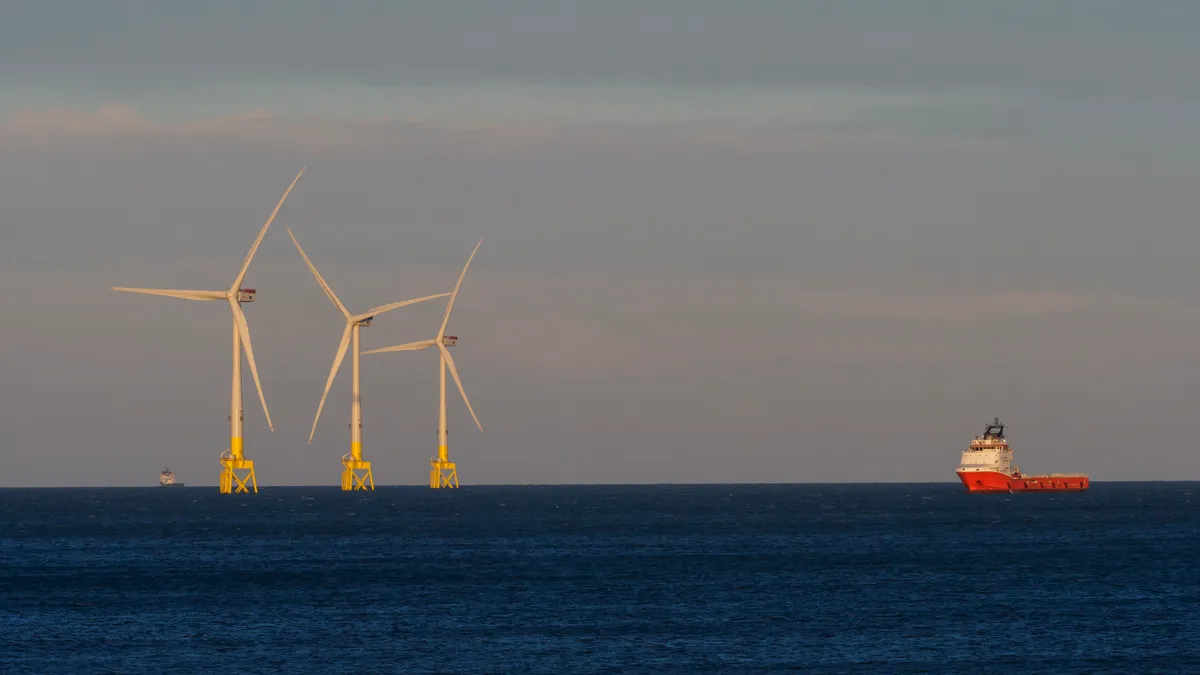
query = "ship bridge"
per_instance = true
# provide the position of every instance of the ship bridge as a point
(989, 452)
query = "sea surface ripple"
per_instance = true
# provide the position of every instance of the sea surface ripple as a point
(919, 578)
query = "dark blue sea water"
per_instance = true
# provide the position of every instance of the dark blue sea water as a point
(627, 579)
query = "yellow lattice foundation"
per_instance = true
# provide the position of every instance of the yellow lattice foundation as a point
(237, 474)
(442, 474)
(356, 474)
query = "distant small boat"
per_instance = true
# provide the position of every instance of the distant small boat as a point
(167, 479)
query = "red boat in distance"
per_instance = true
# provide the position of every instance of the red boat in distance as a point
(987, 466)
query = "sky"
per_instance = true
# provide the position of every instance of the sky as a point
(765, 241)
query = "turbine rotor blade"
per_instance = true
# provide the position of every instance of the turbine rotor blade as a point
(407, 347)
(376, 311)
(244, 330)
(320, 280)
(237, 283)
(454, 372)
(454, 294)
(171, 293)
(337, 363)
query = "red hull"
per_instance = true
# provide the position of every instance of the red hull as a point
(994, 481)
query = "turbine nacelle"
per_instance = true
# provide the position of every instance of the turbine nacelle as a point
(449, 340)
(245, 295)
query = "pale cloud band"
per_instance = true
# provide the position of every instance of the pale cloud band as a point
(355, 118)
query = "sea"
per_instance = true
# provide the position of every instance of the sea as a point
(891, 578)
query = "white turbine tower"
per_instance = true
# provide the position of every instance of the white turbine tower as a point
(443, 472)
(356, 472)
(236, 470)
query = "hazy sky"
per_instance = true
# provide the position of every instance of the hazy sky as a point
(755, 241)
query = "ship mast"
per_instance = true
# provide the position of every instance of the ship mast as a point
(995, 429)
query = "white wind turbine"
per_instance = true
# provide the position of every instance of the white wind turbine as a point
(235, 468)
(443, 472)
(356, 472)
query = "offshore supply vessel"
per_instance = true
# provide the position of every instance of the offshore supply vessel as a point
(987, 466)
(167, 479)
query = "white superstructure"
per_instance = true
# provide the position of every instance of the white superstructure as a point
(989, 452)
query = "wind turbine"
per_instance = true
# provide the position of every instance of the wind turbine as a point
(236, 470)
(356, 472)
(443, 472)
